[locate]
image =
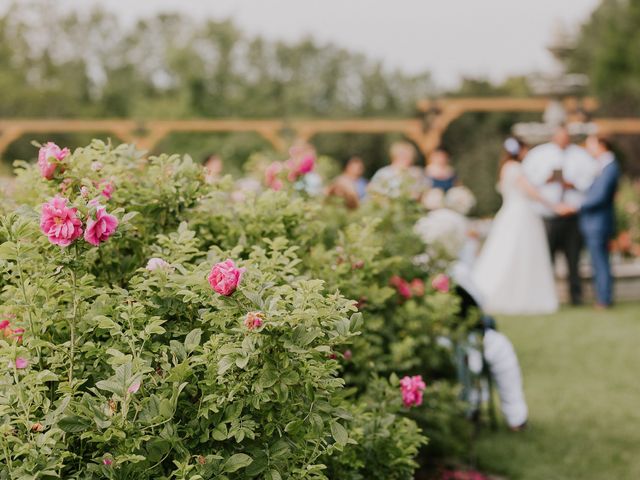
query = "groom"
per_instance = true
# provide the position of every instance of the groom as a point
(597, 218)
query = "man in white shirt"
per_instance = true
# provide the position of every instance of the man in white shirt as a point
(562, 172)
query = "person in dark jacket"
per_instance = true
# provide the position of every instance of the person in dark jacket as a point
(597, 218)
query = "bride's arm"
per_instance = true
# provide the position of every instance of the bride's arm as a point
(533, 193)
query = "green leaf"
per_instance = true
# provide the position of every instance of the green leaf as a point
(268, 377)
(220, 433)
(339, 433)
(192, 341)
(241, 362)
(8, 251)
(274, 475)
(155, 328)
(236, 462)
(74, 424)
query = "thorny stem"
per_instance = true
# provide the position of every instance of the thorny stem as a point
(72, 324)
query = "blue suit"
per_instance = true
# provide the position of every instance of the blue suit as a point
(597, 223)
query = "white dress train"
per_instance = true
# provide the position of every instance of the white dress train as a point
(513, 272)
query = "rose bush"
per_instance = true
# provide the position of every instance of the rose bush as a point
(191, 335)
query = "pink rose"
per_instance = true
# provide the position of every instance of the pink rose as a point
(306, 165)
(411, 389)
(107, 188)
(100, 229)
(96, 166)
(440, 283)
(107, 461)
(254, 320)
(59, 222)
(84, 192)
(347, 355)
(134, 387)
(4, 324)
(225, 277)
(402, 286)
(357, 265)
(18, 332)
(157, 264)
(64, 185)
(300, 166)
(271, 173)
(21, 363)
(417, 287)
(48, 152)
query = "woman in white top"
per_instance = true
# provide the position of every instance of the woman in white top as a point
(513, 272)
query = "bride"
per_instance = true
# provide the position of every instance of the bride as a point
(513, 271)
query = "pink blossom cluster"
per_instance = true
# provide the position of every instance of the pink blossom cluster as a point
(225, 277)
(8, 332)
(60, 221)
(50, 156)
(412, 389)
(62, 226)
(157, 264)
(272, 174)
(254, 320)
(414, 288)
(441, 283)
(302, 161)
(134, 387)
(20, 363)
(299, 167)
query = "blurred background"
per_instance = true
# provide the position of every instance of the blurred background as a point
(286, 59)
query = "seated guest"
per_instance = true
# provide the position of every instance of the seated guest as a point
(496, 352)
(439, 171)
(400, 174)
(351, 186)
(213, 166)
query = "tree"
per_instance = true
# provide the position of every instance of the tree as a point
(607, 50)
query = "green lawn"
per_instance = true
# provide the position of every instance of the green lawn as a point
(582, 381)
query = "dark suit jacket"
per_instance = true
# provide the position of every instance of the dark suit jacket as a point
(597, 214)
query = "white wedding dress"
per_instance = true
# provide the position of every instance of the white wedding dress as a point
(513, 272)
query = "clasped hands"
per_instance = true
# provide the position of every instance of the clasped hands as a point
(564, 209)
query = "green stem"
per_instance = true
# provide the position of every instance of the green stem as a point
(26, 300)
(72, 325)
(21, 397)
(8, 457)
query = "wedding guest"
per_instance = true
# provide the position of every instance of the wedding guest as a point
(400, 174)
(562, 172)
(213, 166)
(351, 186)
(439, 171)
(597, 218)
(355, 171)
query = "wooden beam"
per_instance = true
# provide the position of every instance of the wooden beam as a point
(618, 126)
(425, 133)
(503, 104)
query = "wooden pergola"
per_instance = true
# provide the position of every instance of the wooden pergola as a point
(426, 129)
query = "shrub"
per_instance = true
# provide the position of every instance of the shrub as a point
(120, 371)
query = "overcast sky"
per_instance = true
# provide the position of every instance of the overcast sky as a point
(451, 38)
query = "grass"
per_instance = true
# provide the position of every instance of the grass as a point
(582, 381)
